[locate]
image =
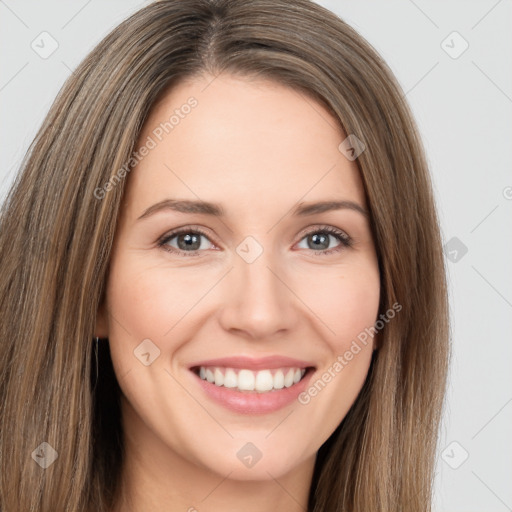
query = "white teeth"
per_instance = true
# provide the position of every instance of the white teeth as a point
(288, 379)
(279, 380)
(209, 375)
(219, 377)
(230, 379)
(264, 381)
(246, 380)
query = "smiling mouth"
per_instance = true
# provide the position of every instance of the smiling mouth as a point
(249, 381)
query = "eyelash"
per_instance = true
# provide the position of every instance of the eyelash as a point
(345, 240)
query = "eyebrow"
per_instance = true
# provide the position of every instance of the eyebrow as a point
(216, 210)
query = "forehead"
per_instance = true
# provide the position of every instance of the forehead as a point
(243, 143)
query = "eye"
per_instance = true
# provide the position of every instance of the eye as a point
(188, 241)
(321, 237)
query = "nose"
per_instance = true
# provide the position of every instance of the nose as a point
(258, 302)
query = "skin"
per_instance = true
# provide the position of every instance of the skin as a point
(257, 148)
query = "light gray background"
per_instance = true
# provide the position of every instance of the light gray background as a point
(463, 107)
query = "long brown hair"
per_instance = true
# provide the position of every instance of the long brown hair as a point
(56, 234)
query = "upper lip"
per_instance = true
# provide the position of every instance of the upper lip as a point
(251, 363)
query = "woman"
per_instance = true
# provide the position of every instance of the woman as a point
(222, 278)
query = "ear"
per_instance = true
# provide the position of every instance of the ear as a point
(101, 329)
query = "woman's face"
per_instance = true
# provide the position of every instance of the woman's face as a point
(251, 290)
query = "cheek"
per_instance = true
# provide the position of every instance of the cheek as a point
(146, 301)
(150, 302)
(142, 306)
(346, 301)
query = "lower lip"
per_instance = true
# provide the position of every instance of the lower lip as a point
(252, 402)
